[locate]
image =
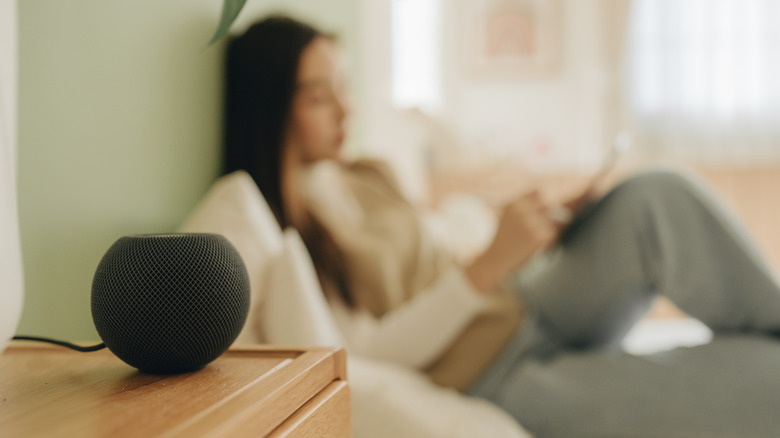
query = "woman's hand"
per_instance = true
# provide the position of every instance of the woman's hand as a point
(525, 227)
(564, 213)
(578, 202)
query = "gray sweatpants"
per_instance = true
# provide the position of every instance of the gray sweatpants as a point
(657, 233)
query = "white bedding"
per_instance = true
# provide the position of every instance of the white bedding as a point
(659, 334)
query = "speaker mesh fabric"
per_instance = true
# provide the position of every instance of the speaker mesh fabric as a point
(170, 303)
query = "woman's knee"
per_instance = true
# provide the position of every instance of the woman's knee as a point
(656, 184)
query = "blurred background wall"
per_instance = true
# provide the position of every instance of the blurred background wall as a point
(120, 109)
(119, 132)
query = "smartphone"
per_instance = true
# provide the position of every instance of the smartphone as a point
(622, 142)
(620, 145)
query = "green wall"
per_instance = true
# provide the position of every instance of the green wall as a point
(119, 133)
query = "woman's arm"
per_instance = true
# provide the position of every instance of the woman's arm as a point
(525, 227)
(419, 331)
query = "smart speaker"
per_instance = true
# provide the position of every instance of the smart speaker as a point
(170, 303)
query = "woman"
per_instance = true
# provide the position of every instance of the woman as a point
(542, 296)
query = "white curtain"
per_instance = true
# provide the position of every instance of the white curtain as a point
(704, 78)
(10, 256)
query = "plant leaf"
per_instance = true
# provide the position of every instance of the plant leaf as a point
(230, 10)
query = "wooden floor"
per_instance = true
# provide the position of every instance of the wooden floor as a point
(753, 193)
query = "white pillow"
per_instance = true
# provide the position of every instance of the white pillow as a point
(235, 208)
(294, 311)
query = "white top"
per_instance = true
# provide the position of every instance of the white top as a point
(416, 333)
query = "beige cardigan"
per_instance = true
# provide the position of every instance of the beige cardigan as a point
(392, 262)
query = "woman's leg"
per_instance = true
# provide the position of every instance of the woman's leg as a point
(658, 232)
(727, 388)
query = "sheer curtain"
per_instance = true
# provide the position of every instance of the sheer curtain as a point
(704, 79)
(10, 258)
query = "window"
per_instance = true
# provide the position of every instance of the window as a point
(416, 53)
(703, 76)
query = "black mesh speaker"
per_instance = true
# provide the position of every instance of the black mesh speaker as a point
(170, 303)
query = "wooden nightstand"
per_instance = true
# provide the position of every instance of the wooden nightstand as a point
(249, 391)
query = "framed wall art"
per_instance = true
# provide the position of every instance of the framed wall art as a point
(511, 38)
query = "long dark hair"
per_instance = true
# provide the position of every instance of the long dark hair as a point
(261, 74)
(262, 67)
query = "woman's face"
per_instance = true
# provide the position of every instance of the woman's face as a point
(319, 113)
